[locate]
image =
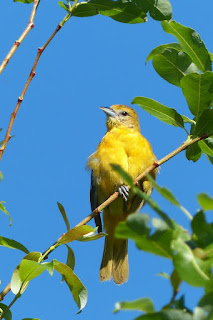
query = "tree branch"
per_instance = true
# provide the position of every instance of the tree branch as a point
(16, 44)
(5, 291)
(32, 74)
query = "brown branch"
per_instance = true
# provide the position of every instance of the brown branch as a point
(16, 44)
(4, 292)
(32, 74)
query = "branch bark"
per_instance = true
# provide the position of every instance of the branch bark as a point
(16, 44)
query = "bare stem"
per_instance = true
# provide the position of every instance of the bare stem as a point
(31, 75)
(4, 292)
(10, 305)
(16, 44)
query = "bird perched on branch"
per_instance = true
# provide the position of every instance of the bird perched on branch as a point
(124, 145)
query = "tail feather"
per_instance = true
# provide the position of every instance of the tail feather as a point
(120, 266)
(106, 263)
(115, 260)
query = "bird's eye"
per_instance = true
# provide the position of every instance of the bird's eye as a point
(124, 113)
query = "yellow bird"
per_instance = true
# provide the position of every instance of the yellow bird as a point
(124, 145)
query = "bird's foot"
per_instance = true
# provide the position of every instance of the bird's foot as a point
(124, 192)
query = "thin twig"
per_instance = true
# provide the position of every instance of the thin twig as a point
(32, 74)
(5, 291)
(16, 44)
(10, 305)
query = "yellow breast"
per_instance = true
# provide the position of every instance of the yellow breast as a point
(123, 146)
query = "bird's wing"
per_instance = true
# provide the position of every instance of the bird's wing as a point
(95, 202)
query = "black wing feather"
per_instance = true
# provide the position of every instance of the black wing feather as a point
(95, 203)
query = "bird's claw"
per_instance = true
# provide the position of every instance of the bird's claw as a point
(124, 192)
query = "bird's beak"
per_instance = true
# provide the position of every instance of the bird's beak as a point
(109, 112)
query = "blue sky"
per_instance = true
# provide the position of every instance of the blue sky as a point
(91, 62)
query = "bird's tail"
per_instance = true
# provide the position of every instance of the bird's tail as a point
(115, 260)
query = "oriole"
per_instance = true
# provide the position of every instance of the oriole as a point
(122, 144)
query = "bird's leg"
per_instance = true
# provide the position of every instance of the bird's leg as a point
(124, 192)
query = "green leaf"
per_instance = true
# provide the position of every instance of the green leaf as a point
(84, 9)
(166, 193)
(30, 269)
(163, 113)
(63, 6)
(8, 315)
(179, 303)
(70, 258)
(191, 43)
(159, 49)
(1, 176)
(187, 120)
(209, 158)
(17, 286)
(49, 266)
(175, 281)
(75, 234)
(204, 125)
(189, 268)
(35, 256)
(23, 1)
(63, 213)
(205, 201)
(89, 237)
(169, 314)
(127, 12)
(155, 207)
(25, 272)
(200, 228)
(124, 175)
(172, 65)
(135, 227)
(2, 208)
(144, 304)
(79, 292)
(206, 302)
(193, 152)
(164, 275)
(159, 9)
(198, 91)
(199, 314)
(9, 243)
(16, 281)
(206, 146)
(31, 319)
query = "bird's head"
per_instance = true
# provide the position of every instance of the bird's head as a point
(121, 115)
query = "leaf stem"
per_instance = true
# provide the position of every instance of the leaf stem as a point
(186, 212)
(10, 305)
(16, 44)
